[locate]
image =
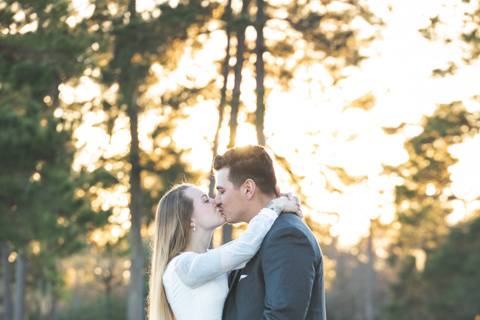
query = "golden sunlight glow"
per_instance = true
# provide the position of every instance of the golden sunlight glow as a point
(311, 126)
(35, 245)
(12, 257)
(70, 277)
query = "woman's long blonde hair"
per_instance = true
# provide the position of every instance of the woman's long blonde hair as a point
(172, 225)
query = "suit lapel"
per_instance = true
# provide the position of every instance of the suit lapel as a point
(234, 278)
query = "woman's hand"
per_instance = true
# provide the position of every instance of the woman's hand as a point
(286, 202)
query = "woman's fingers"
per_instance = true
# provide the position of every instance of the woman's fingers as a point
(291, 203)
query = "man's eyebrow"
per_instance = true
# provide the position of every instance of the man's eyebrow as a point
(219, 187)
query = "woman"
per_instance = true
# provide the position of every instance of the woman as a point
(187, 281)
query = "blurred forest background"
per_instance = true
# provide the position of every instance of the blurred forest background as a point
(371, 109)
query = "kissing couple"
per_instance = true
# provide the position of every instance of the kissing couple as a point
(274, 270)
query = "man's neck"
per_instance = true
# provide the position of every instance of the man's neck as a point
(260, 203)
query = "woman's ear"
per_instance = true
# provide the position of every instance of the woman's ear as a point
(248, 189)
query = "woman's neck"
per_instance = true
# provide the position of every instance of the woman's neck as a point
(199, 241)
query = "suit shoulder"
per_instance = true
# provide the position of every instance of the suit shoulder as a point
(289, 224)
(290, 221)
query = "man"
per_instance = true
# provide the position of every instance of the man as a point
(284, 280)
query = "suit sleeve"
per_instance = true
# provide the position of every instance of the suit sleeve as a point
(288, 264)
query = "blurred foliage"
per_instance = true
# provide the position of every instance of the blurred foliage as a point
(93, 307)
(423, 201)
(452, 275)
(46, 212)
(423, 198)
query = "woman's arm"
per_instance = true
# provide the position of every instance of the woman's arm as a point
(195, 269)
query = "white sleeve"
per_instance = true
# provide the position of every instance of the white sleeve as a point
(196, 269)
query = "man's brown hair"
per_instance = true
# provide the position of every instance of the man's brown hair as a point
(250, 162)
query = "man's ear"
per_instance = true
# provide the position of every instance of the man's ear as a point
(248, 189)
(277, 191)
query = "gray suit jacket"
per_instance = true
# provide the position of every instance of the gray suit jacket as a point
(284, 280)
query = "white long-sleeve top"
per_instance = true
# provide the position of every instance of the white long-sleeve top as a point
(196, 284)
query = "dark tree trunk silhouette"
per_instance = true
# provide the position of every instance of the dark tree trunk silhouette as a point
(260, 72)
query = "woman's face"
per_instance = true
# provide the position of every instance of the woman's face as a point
(205, 214)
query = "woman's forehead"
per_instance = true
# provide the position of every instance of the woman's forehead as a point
(195, 192)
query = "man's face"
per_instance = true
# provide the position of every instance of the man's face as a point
(229, 199)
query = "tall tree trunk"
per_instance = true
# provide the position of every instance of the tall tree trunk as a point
(108, 279)
(49, 307)
(244, 18)
(227, 228)
(340, 280)
(135, 303)
(7, 280)
(260, 72)
(223, 92)
(52, 314)
(369, 310)
(135, 306)
(20, 280)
